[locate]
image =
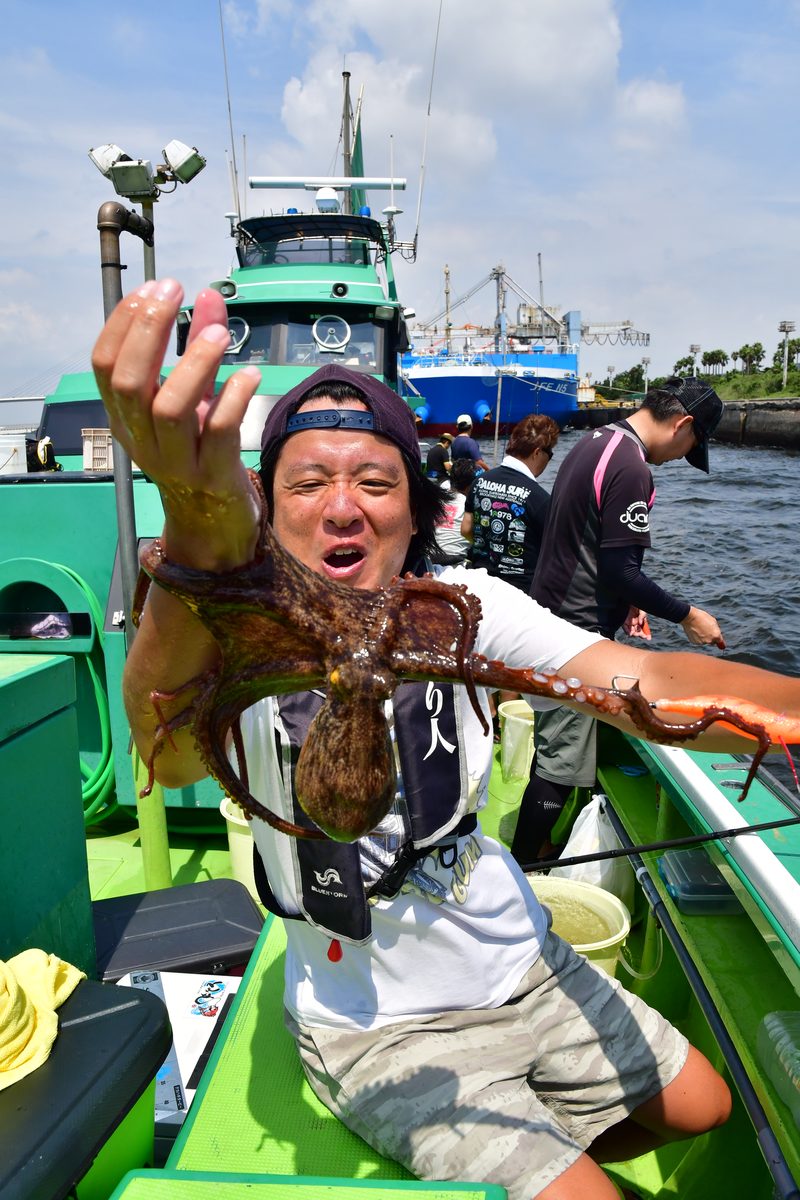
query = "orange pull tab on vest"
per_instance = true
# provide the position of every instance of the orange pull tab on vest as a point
(335, 951)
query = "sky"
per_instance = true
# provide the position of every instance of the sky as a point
(646, 150)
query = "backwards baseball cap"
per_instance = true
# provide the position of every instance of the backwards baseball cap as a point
(464, 419)
(705, 408)
(388, 414)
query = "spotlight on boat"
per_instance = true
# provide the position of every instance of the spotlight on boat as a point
(132, 177)
(327, 200)
(183, 161)
(104, 157)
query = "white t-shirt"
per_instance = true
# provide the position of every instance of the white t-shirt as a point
(457, 936)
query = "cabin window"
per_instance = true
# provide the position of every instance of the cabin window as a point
(295, 337)
(321, 339)
(63, 423)
(306, 251)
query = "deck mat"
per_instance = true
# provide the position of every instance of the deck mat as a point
(254, 1110)
(173, 1185)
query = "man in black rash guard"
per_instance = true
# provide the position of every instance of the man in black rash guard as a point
(590, 572)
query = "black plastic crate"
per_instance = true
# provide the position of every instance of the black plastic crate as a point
(205, 927)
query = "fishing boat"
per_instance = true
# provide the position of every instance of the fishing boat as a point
(495, 375)
(501, 373)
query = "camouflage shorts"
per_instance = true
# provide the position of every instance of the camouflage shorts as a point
(509, 1095)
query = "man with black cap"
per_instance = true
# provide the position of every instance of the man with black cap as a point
(433, 1010)
(590, 572)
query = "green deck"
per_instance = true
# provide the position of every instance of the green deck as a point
(193, 1185)
(254, 1113)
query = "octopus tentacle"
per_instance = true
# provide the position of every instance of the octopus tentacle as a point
(456, 596)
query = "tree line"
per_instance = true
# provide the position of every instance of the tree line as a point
(749, 376)
(751, 357)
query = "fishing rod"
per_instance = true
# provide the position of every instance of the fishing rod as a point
(696, 839)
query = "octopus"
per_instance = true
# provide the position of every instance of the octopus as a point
(282, 628)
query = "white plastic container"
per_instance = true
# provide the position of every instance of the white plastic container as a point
(778, 1050)
(240, 845)
(516, 739)
(98, 451)
(13, 455)
(557, 893)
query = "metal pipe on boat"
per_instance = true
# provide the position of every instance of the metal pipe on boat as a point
(112, 219)
(785, 1184)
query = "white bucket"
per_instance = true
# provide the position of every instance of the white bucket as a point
(557, 893)
(13, 455)
(240, 845)
(516, 739)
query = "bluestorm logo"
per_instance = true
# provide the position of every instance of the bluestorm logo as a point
(327, 877)
(637, 517)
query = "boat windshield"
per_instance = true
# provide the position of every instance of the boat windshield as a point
(300, 338)
(306, 250)
(64, 423)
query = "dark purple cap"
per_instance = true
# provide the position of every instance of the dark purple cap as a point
(705, 408)
(388, 414)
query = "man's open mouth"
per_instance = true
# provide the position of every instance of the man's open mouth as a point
(340, 559)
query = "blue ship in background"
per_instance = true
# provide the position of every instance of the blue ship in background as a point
(501, 373)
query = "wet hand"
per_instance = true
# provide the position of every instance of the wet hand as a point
(637, 625)
(702, 629)
(179, 433)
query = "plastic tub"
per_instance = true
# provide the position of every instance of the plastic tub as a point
(516, 739)
(13, 454)
(562, 894)
(240, 845)
(695, 884)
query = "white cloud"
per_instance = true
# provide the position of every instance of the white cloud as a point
(648, 112)
(658, 192)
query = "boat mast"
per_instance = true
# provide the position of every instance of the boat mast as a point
(347, 199)
(541, 296)
(448, 324)
(501, 321)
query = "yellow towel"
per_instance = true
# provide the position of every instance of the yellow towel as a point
(32, 986)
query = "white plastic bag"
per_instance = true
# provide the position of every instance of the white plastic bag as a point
(591, 834)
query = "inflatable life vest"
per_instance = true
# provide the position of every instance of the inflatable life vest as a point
(331, 893)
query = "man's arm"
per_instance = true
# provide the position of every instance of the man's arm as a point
(670, 675)
(619, 572)
(467, 527)
(187, 441)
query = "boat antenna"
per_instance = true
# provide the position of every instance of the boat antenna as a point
(541, 295)
(230, 114)
(427, 126)
(347, 157)
(234, 189)
(244, 169)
